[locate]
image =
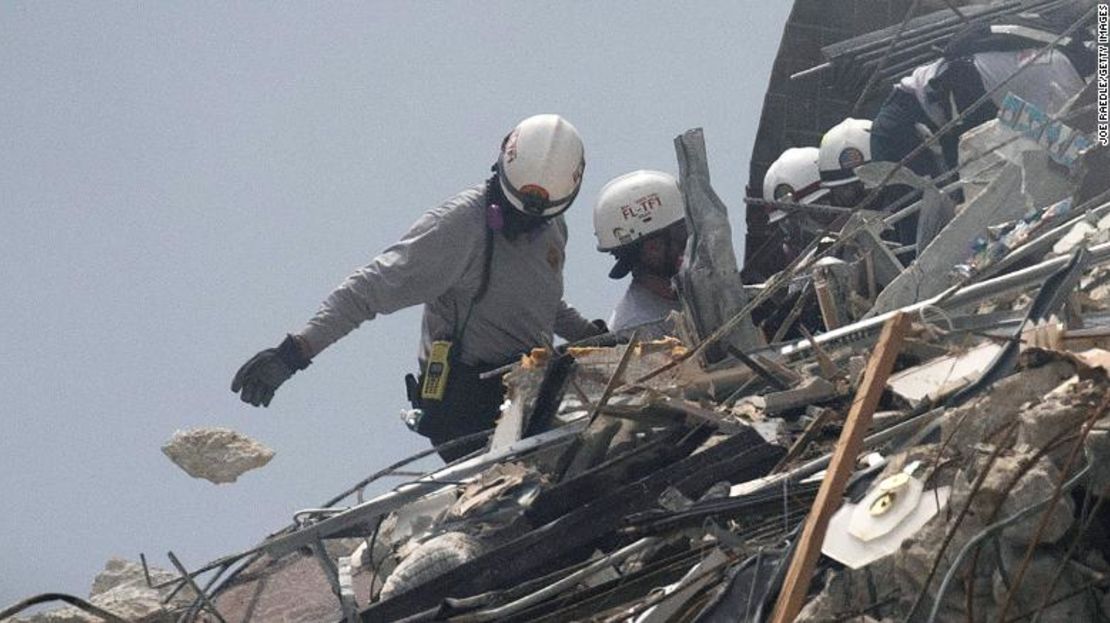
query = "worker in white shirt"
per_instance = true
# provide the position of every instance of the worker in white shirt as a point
(640, 218)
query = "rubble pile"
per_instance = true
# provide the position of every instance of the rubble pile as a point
(122, 589)
(667, 481)
(877, 431)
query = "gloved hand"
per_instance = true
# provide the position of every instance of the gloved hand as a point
(260, 377)
(600, 326)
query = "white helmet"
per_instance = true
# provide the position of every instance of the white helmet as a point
(794, 177)
(843, 148)
(635, 205)
(540, 166)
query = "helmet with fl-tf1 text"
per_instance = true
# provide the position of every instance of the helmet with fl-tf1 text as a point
(540, 166)
(636, 205)
(844, 147)
(794, 177)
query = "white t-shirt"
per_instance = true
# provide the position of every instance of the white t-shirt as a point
(640, 306)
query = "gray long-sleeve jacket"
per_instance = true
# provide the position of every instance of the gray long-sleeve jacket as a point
(439, 263)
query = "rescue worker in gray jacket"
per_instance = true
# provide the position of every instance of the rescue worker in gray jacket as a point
(487, 265)
(640, 218)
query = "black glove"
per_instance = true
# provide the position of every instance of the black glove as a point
(600, 326)
(260, 377)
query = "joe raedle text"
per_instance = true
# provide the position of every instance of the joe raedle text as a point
(1103, 73)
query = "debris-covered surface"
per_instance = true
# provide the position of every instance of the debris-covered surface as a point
(219, 455)
(122, 589)
(921, 437)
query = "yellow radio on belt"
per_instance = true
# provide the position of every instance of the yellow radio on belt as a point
(435, 376)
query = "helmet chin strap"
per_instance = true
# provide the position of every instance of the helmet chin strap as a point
(511, 222)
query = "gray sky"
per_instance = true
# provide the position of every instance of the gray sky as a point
(181, 183)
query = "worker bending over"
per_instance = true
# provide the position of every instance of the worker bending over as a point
(487, 265)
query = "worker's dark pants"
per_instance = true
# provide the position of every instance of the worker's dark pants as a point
(894, 133)
(893, 136)
(470, 405)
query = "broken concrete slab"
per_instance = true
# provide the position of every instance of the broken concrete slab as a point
(812, 390)
(1044, 181)
(984, 148)
(219, 455)
(1098, 447)
(868, 227)
(930, 274)
(1065, 408)
(846, 589)
(1033, 485)
(942, 376)
(120, 572)
(978, 419)
(1044, 570)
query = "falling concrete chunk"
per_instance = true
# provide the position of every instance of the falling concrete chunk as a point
(219, 455)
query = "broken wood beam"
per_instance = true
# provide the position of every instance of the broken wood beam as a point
(829, 496)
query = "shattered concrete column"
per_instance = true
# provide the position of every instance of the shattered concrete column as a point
(709, 283)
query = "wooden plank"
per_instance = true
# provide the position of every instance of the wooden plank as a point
(829, 496)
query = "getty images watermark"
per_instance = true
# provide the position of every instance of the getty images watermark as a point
(1103, 73)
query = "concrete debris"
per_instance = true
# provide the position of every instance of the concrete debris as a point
(1003, 495)
(942, 376)
(846, 591)
(1098, 448)
(931, 273)
(219, 455)
(680, 479)
(122, 589)
(433, 558)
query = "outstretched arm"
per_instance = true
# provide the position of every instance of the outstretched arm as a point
(427, 261)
